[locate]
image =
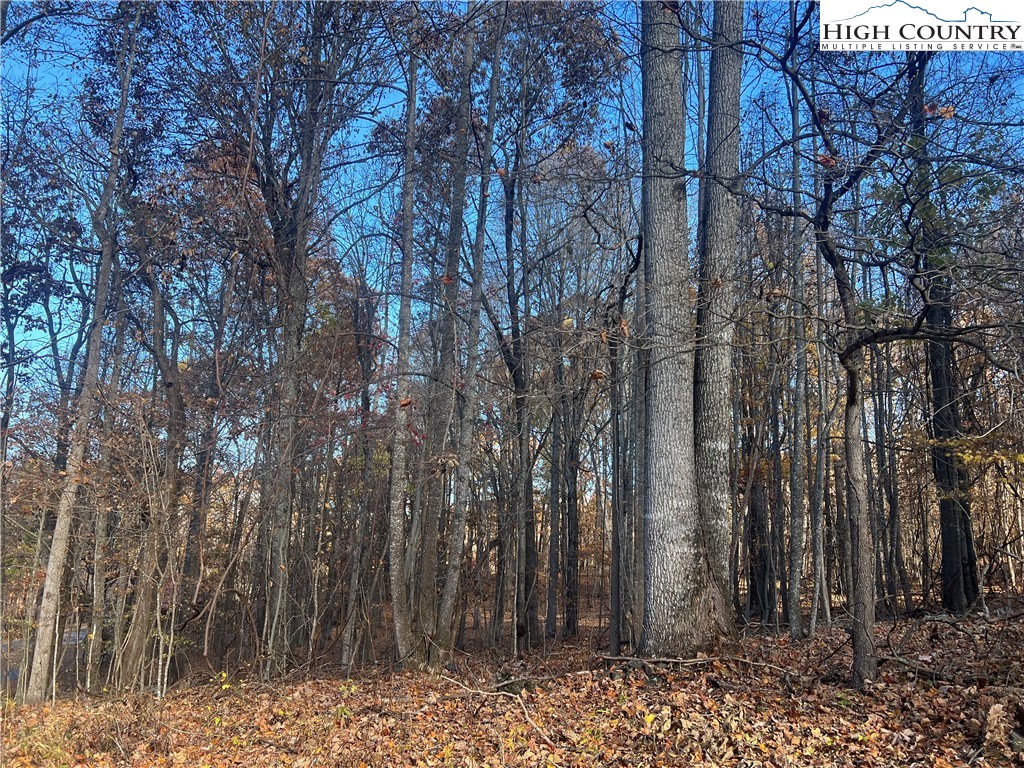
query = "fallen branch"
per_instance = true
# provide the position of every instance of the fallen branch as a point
(934, 674)
(516, 696)
(646, 663)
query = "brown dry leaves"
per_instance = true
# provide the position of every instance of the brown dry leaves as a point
(947, 695)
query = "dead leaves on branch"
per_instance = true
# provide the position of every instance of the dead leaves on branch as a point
(771, 704)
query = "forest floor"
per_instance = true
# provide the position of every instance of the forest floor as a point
(949, 693)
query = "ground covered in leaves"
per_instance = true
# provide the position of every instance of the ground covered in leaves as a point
(949, 693)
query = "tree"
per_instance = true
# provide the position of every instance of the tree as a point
(717, 250)
(408, 650)
(287, 139)
(683, 603)
(444, 636)
(960, 587)
(332, 322)
(102, 218)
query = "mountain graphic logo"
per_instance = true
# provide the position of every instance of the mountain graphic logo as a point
(894, 25)
(982, 16)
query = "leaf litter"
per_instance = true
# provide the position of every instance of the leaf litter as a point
(949, 693)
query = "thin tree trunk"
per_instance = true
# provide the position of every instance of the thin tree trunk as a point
(104, 230)
(444, 638)
(101, 523)
(858, 512)
(443, 401)
(555, 498)
(571, 519)
(797, 466)
(623, 518)
(167, 468)
(406, 651)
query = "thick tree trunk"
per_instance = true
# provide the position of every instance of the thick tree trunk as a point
(960, 588)
(717, 253)
(682, 605)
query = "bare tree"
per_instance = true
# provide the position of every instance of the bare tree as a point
(102, 217)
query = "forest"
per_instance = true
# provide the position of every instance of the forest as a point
(632, 380)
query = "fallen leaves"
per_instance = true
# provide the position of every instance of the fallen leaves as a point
(766, 704)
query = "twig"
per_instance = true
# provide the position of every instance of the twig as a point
(516, 696)
(514, 681)
(536, 727)
(934, 674)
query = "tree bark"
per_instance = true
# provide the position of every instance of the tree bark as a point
(681, 606)
(443, 401)
(102, 218)
(797, 465)
(444, 633)
(960, 588)
(717, 251)
(406, 651)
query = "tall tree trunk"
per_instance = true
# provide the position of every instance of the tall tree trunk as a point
(102, 218)
(406, 651)
(619, 469)
(620, 593)
(555, 496)
(444, 632)
(443, 401)
(291, 208)
(960, 588)
(101, 553)
(682, 603)
(797, 465)
(858, 510)
(717, 253)
(571, 518)
(861, 593)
